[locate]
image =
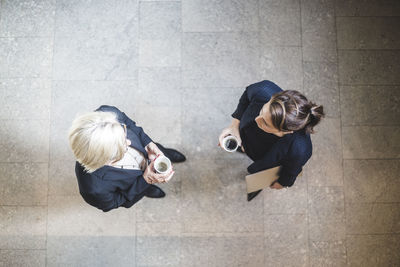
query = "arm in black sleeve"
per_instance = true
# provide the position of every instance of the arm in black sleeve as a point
(270, 160)
(248, 95)
(123, 118)
(241, 107)
(292, 159)
(298, 155)
(289, 172)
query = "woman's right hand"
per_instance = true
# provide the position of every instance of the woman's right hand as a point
(152, 177)
(231, 130)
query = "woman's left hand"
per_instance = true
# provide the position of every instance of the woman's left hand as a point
(153, 151)
(276, 185)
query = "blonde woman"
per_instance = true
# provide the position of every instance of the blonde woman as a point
(115, 159)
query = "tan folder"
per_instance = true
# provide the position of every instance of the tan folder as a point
(262, 179)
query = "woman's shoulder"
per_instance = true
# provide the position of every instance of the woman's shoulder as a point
(301, 145)
(263, 90)
(107, 108)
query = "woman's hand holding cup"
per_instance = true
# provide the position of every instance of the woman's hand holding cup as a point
(233, 130)
(152, 177)
(153, 151)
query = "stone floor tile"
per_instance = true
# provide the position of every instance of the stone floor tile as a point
(369, 67)
(25, 99)
(62, 178)
(324, 168)
(326, 214)
(222, 250)
(160, 53)
(373, 250)
(214, 198)
(71, 216)
(321, 86)
(370, 105)
(367, 142)
(198, 139)
(159, 87)
(274, 62)
(26, 57)
(368, 32)
(280, 22)
(371, 180)
(372, 218)
(327, 253)
(91, 251)
(23, 227)
(95, 58)
(117, 19)
(167, 209)
(219, 16)
(292, 200)
(27, 18)
(158, 244)
(159, 20)
(318, 30)
(162, 124)
(20, 145)
(286, 240)
(220, 59)
(23, 183)
(26, 258)
(367, 8)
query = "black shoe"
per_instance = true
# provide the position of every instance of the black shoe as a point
(252, 195)
(172, 154)
(154, 192)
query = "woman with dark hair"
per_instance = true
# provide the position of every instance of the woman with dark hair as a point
(273, 128)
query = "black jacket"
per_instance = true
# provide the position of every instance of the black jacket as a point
(291, 151)
(108, 187)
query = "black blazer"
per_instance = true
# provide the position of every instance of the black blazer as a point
(291, 151)
(108, 187)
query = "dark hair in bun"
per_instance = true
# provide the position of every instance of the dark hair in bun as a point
(291, 111)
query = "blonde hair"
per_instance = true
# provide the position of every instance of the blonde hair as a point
(96, 139)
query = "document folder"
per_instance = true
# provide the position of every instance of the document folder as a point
(262, 179)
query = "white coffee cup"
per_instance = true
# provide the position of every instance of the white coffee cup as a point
(162, 165)
(230, 143)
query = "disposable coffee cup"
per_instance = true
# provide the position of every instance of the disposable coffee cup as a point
(230, 143)
(162, 165)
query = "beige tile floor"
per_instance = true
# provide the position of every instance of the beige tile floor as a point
(178, 69)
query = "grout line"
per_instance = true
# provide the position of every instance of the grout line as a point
(24, 206)
(361, 84)
(371, 159)
(341, 131)
(26, 36)
(50, 108)
(180, 184)
(137, 86)
(374, 202)
(307, 185)
(375, 234)
(368, 49)
(377, 159)
(369, 125)
(360, 16)
(259, 75)
(22, 249)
